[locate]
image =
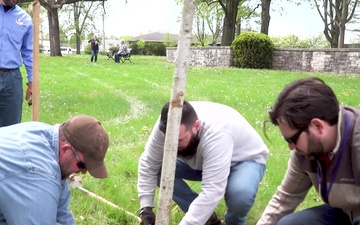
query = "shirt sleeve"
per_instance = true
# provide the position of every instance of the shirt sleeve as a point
(64, 217)
(27, 52)
(216, 153)
(289, 194)
(149, 166)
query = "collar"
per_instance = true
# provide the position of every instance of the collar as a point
(340, 130)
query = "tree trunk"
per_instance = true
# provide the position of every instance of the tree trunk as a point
(54, 32)
(230, 9)
(343, 18)
(238, 28)
(175, 112)
(265, 16)
(78, 44)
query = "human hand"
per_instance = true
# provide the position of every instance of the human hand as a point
(28, 91)
(147, 216)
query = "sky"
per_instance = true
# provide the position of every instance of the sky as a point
(144, 16)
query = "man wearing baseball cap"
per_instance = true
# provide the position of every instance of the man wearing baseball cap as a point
(36, 160)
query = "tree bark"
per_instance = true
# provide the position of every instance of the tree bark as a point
(265, 16)
(53, 18)
(175, 112)
(230, 8)
(335, 15)
(342, 24)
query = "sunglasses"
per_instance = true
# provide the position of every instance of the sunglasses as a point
(80, 163)
(293, 139)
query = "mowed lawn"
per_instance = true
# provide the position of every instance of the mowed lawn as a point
(128, 97)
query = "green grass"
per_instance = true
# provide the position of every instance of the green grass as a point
(128, 97)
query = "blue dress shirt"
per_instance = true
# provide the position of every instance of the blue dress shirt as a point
(32, 190)
(16, 40)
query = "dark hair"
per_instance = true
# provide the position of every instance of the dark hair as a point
(302, 100)
(188, 116)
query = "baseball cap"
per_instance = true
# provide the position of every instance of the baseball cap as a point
(87, 135)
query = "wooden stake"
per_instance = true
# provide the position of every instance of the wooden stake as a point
(35, 84)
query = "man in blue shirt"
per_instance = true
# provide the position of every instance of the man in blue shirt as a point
(36, 160)
(16, 48)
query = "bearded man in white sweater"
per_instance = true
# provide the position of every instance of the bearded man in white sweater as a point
(218, 147)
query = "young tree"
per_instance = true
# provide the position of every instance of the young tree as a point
(215, 21)
(208, 16)
(201, 11)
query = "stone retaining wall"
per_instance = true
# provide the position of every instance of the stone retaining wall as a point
(346, 60)
(218, 56)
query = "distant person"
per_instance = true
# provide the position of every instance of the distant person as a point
(217, 147)
(325, 141)
(94, 42)
(123, 51)
(16, 48)
(36, 160)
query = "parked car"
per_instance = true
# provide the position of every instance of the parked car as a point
(65, 50)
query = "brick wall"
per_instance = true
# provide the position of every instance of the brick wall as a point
(346, 60)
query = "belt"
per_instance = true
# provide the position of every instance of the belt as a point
(4, 70)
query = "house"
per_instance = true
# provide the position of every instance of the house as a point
(156, 37)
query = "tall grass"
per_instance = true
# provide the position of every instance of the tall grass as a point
(128, 97)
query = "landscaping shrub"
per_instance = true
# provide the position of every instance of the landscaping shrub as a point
(87, 49)
(148, 48)
(114, 49)
(253, 50)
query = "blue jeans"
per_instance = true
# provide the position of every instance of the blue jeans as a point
(318, 215)
(94, 54)
(11, 97)
(243, 183)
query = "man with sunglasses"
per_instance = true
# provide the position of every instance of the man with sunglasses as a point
(35, 161)
(218, 147)
(326, 140)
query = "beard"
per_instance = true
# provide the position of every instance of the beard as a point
(315, 148)
(190, 150)
(65, 173)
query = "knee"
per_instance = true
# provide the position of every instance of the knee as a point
(286, 220)
(240, 200)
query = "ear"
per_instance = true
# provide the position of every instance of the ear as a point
(63, 147)
(317, 126)
(196, 126)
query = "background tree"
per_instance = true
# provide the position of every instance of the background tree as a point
(247, 11)
(215, 22)
(83, 15)
(293, 41)
(201, 12)
(208, 18)
(230, 8)
(335, 15)
(265, 16)
(52, 7)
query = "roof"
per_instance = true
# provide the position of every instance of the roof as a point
(156, 37)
